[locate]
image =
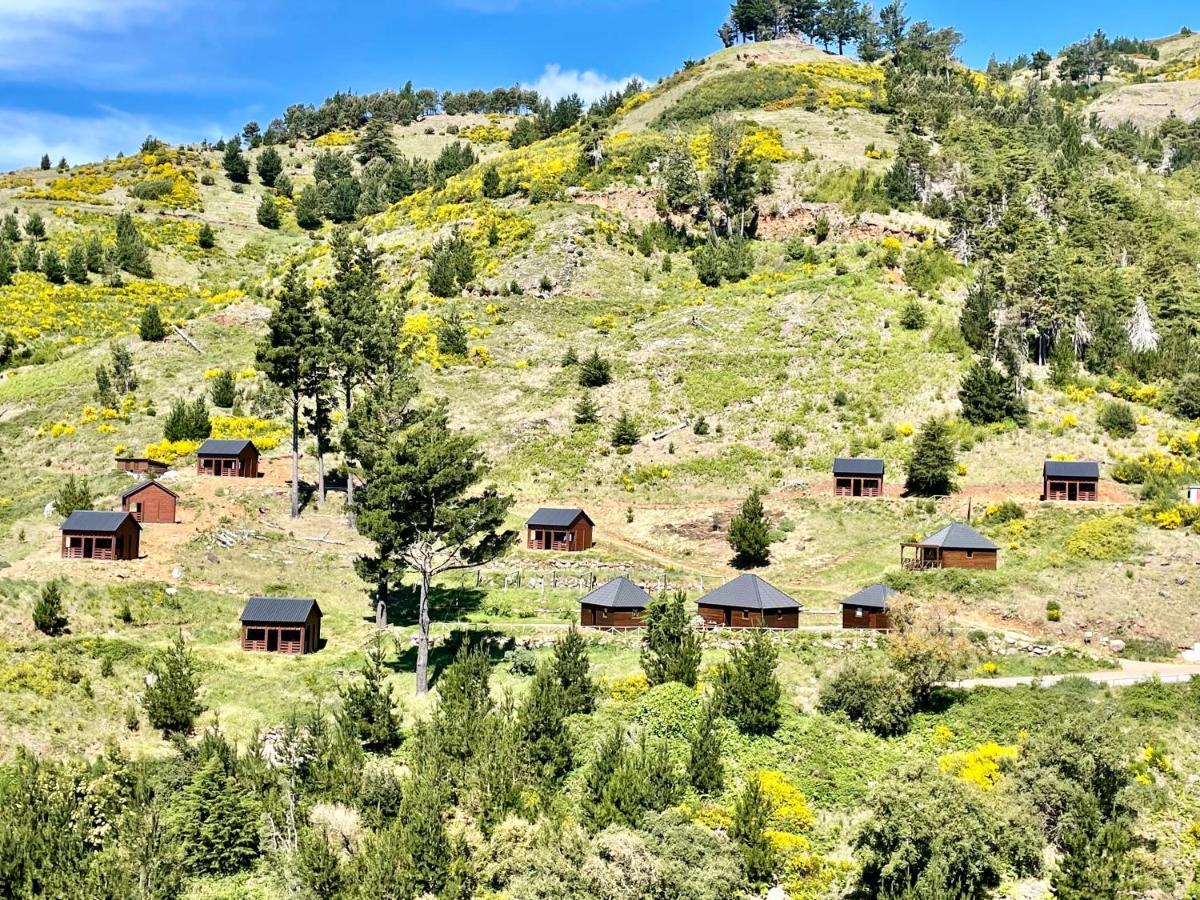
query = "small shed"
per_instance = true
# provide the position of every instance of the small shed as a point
(92, 534)
(618, 604)
(749, 602)
(281, 625)
(150, 502)
(1070, 481)
(956, 546)
(141, 465)
(1193, 495)
(868, 609)
(559, 529)
(227, 458)
(857, 477)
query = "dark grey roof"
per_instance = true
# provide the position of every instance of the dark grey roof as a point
(1057, 469)
(857, 465)
(145, 482)
(218, 447)
(748, 592)
(95, 521)
(874, 597)
(620, 593)
(279, 610)
(959, 537)
(548, 517)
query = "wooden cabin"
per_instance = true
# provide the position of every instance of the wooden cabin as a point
(1071, 481)
(868, 609)
(857, 477)
(748, 602)
(1193, 495)
(569, 530)
(91, 534)
(954, 547)
(140, 465)
(281, 625)
(150, 502)
(227, 458)
(618, 604)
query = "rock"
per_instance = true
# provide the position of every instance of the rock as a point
(1116, 646)
(777, 893)
(172, 591)
(177, 572)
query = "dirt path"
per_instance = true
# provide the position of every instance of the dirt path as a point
(1131, 672)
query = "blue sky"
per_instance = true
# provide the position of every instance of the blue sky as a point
(86, 78)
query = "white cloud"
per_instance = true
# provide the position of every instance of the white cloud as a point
(25, 135)
(589, 84)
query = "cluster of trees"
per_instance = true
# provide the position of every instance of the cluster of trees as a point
(827, 22)
(85, 257)
(1094, 57)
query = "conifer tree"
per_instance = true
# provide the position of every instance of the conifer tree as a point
(463, 708)
(491, 182)
(625, 431)
(45, 163)
(572, 669)
(988, 396)
(95, 253)
(747, 688)
(77, 267)
(206, 238)
(10, 228)
(130, 252)
(35, 226)
(705, 770)
(283, 185)
(49, 614)
(74, 494)
(236, 166)
(52, 267)
(150, 325)
(223, 390)
(31, 257)
(376, 142)
(751, 821)
(543, 724)
(318, 865)
(216, 821)
(570, 358)
(105, 395)
(368, 710)
(1096, 862)
(172, 688)
(1063, 363)
(586, 411)
(285, 356)
(750, 533)
(268, 212)
(452, 333)
(670, 648)
(932, 464)
(124, 378)
(8, 265)
(595, 371)
(270, 166)
(310, 208)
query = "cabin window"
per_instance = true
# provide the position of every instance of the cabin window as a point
(858, 613)
(537, 535)
(256, 634)
(291, 635)
(970, 554)
(1058, 486)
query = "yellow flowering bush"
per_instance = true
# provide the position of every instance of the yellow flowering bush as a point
(790, 808)
(905, 429)
(987, 669)
(265, 434)
(983, 767)
(480, 356)
(170, 452)
(629, 688)
(943, 734)
(335, 139)
(77, 188)
(764, 144)
(490, 133)
(1068, 421)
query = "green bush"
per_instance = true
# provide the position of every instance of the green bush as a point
(152, 189)
(913, 316)
(150, 325)
(1007, 511)
(927, 269)
(1117, 418)
(870, 695)
(49, 614)
(746, 89)
(1185, 397)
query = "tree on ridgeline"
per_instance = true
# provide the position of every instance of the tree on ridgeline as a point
(234, 163)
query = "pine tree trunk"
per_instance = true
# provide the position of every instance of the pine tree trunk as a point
(350, 518)
(320, 475)
(423, 637)
(295, 457)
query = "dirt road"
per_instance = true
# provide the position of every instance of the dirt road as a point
(1131, 672)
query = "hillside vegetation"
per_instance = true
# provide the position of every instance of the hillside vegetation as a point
(652, 307)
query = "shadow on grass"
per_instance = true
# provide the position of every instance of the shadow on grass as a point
(493, 643)
(446, 604)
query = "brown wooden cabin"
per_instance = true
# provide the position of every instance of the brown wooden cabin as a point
(140, 465)
(1193, 495)
(569, 530)
(91, 534)
(1071, 481)
(748, 602)
(857, 477)
(150, 502)
(954, 547)
(281, 625)
(618, 604)
(227, 458)
(868, 609)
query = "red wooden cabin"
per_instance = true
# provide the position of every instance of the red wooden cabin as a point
(1071, 481)
(954, 547)
(91, 534)
(228, 458)
(857, 477)
(140, 464)
(868, 609)
(618, 604)
(150, 502)
(748, 602)
(281, 625)
(559, 529)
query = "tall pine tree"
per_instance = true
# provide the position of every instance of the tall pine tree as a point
(670, 648)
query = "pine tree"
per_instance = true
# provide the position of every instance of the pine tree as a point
(1063, 364)
(750, 533)
(268, 212)
(988, 396)
(52, 267)
(10, 228)
(35, 227)
(491, 182)
(975, 321)
(318, 865)
(376, 142)
(283, 186)
(705, 770)
(595, 371)
(670, 648)
(625, 431)
(452, 334)
(31, 257)
(236, 166)
(1096, 862)
(747, 689)
(571, 669)
(105, 395)
(124, 378)
(62, 164)
(150, 325)
(270, 166)
(368, 710)
(215, 821)
(75, 494)
(543, 725)
(932, 464)
(131, 253)
(45, 164)
(570, 358)
(751, 821)
(95, 253)
(586, 411)
(172, 688)
(310, 208)
(206, 238)
(8, 265)
(49, 614)
(223, 390)
(77, 267)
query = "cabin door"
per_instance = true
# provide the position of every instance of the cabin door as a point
(1072, 490)
(858, 485)
(89, 547)
(728, 618)
(272, 640)
(138, 514)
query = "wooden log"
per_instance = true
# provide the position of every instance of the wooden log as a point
(188, 340)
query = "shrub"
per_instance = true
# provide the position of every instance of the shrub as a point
(821, 228)
(49, 614)
(1053, 611)
(1108, 538)
(150, 325)
(268, 212)
(152, 188)
(725, 259)
(1007, 511)
(913, 316)
(700, 426)
(872, 696)
(452, 266)
(1185, 398)
(1118, 419)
